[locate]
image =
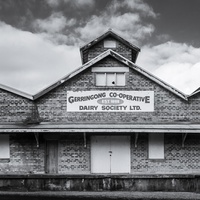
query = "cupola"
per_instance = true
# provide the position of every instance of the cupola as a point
(109, 40)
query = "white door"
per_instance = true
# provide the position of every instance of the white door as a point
(110, 154)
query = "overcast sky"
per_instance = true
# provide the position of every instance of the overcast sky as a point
(40, 39)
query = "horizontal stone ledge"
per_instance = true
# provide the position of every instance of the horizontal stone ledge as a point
(90, 128)
(98, 176)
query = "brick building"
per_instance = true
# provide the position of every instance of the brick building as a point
(108, 125)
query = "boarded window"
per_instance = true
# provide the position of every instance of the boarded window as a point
(110, 44)
(101, 79)
(120, 79)
(4, 146)
(156, 146)
(110, 79)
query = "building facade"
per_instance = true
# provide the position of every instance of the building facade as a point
(108, 119)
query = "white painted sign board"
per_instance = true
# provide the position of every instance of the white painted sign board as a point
(110, 101)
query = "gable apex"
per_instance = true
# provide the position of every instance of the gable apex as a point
(114, 35)
(109, 40)
(121, 59)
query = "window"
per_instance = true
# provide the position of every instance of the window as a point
(110, 76)
(110, 79)
(110, 44)
(4, 146)
(156, 146)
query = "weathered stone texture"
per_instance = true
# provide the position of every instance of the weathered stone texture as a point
(25, 157)
(169, 108)
(99, 48)
(14, 108)
(52, 107)
(74, 155)
(178, 159)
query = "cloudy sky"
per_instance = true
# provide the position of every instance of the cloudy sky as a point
(40, 39)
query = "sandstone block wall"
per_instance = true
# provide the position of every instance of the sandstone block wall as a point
(178, 159)
(74, 157)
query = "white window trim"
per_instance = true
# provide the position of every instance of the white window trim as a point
(110, 69)
(115, 79)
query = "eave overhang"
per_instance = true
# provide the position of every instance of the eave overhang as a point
(15, 91)
(195, 92)
(100, 128)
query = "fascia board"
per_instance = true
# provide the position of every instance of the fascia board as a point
(121, 59)
(72, 74)
(149, 75)
(15, 91)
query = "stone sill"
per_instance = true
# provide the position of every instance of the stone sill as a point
(97, 176)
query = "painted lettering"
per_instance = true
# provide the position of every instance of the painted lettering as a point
(135, 108)
(114, 108)
(88, 107)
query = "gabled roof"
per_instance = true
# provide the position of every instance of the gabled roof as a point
(195, 92)
(112, 34)
(109, 52)
(120, 58)
(15, 91)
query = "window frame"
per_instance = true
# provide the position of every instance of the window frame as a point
(110, 44)
(106, 81)
(111, 70)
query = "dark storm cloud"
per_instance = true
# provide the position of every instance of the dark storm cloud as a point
(76, 30)
(19, 13)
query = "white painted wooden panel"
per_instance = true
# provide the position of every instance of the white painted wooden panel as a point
(111, 79)
(100, 158)
(156, 146)
(4, 147)
(110, 154)
(110, 69)
(120, 159)
(101, 79)
(120, 79)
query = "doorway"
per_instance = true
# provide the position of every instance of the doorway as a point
(51, 156)
(110, 154)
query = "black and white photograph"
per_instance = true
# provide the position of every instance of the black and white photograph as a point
(99, 99)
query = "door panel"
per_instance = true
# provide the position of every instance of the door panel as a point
(52, 156)
(110, 154)
(100, 159)
(120, 161)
